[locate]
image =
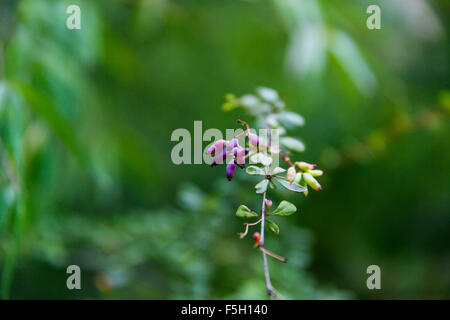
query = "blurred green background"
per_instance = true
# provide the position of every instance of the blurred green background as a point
(86, 176)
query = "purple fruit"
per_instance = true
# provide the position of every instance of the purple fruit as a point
(231, 167)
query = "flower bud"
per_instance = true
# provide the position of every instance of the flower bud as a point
(211, 150)
(216, 146)
(311, 181)
(268, 204)
(290, 175)
(239, 153)
(231, 167)
(298, 178)
(219, 144)
(219, 157)
(254, 139)
(233, 143)
(316, 173)
(256, 236)
(305, 166)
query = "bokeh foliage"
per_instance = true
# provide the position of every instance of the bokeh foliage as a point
(86, 118)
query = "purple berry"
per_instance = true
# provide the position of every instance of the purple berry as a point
(231, 167)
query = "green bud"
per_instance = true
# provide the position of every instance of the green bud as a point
(311, 181)
(305, 165)
(298, 178)
(290, 175)
(316, 173)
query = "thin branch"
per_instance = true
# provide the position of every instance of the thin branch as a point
(273, 255)
(285, 158)
(243, 234)
(270, 290)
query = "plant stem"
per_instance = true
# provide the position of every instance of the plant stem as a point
(270, 289)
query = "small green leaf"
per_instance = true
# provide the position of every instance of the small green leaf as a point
(277, 170)
(245, 212)
(249, 101)
(255, 171)
(272, 226)
(261, 158)
(292, 144)
(268, 94)
(291, 186)
(285, 208)
(290, 119)
(261, 187)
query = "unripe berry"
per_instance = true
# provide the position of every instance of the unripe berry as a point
(313, 183)
(305, 165)
(268, 204)
(316, 173)
(298, 178)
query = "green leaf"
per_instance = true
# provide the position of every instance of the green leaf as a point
(290, 119)
(255, 171)
(292, 144)
(291, 186)
(231, 102)
(277, 170)
(272, 226)
(268, 94)
(348, 55)
(245, 212)
(249, 101)
(261, 158)
(285, 208)
(261, 187)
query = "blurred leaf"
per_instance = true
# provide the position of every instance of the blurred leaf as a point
(45, 108)
(307, 51)
(272, 226)
(292, 144)
(268, 94)
(290, 119)
(350, 58)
